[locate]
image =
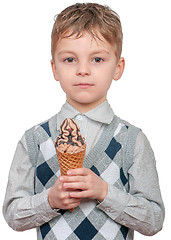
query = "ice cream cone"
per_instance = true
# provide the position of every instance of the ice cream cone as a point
(70, 147)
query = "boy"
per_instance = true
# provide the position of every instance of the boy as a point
(117, 190)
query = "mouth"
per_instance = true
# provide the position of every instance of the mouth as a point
(84, 85)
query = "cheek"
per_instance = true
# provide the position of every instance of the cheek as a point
(65, 75)
(105, 83)
(65, 87)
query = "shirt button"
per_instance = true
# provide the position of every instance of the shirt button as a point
(107, 209)
(79, 117)
(124, 222)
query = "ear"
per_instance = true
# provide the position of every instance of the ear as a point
(54, 70)
(119, 69)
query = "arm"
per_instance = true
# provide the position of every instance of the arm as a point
(22, 209)
(142, 208)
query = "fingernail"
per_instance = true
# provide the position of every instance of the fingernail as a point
(71, 194)
(69, 172)
(61, 179)
(65, 184)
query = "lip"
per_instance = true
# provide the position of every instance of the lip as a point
(84, 85)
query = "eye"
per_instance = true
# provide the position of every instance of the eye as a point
(69, 60)
(98, 60)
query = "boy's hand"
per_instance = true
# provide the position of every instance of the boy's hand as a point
(89, 184)
(59, 197)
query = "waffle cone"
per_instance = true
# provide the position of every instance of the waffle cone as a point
(70, 161)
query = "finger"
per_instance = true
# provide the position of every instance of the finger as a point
(72, 179)
(66, 198)
(79, 195)
(78, 171)
(71, 203)
(72, 200)
(75, 185)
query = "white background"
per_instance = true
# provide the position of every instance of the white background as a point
(30, 95)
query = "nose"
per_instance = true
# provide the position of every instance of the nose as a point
(83, 69)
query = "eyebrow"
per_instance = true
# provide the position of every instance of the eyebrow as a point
(65, 51)
(101, 51)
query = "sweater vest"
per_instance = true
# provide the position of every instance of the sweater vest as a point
(110, 159)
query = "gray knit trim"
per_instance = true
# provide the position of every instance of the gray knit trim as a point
(31, 145)
(101, 145)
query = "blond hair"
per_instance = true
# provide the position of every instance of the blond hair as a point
(92, 18)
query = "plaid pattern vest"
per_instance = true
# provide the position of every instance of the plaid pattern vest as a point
(110, 159)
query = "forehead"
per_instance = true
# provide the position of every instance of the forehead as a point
(86, 40)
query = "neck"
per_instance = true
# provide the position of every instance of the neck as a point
(84, 107)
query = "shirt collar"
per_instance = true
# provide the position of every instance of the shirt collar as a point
(102, 113)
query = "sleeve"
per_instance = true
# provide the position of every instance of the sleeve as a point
(141, 209)
(22, 209)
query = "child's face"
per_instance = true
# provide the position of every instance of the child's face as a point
(85, 68)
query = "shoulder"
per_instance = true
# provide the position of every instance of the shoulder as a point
(137, 143)
(41, 132)
(143, 147)
(123, 126)
(126, 133)
(44, 126)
